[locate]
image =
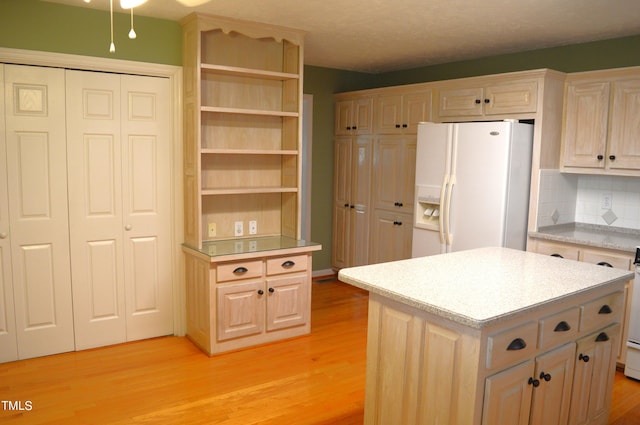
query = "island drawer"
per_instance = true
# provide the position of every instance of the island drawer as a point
(512, 345)
(239, 270)
(559, 328)
(290, 264)
(608, 308)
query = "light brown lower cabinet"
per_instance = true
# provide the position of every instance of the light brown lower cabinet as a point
(554, 365)
(243, 300)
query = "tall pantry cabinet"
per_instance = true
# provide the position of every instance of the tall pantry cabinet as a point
(85, 230)
(248, 274)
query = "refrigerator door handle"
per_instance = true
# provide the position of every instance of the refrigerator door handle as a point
(443, 192)
(447, 212)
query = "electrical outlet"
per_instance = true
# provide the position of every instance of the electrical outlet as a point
(212, 231)
(253, 227)
(239, 231)
(605, 200)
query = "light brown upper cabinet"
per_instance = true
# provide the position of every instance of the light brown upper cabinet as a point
(602, 123)
(400, 113)
(500, 98)
(354, 116)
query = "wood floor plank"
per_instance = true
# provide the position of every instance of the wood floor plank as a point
(317, 379)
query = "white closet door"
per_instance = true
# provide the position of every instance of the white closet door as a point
(95, 207)
(38, 214)
(8, 343)
(119, 191)
(146, 175)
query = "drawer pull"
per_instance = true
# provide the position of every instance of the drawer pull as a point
(557, 255)
(533, 382)
(605, 264)
(605, 309)
(517, 344)
(288, 264)
(545, 376)
(562, 327)
(240, 270)
(602, 337)
(584, 358)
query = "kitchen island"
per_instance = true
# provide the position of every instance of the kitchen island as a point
(490, 336)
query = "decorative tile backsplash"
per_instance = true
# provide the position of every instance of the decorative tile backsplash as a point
(603, 200)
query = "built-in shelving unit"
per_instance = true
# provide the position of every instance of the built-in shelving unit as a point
(243, 97)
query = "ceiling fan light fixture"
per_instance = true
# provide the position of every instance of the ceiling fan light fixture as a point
(129, 4)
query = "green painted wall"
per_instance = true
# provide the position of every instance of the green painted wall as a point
(36, 25)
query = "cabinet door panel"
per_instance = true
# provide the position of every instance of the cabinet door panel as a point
(507, 399)
(241, 309)
(287, 302)
(388, 173)
(624, 142)
(550, 405)
(511, 98)
(460, 102)
(389, 114)
(38, 209)
(363, 115)
(585, 127)
(416, 108)
(343, 117)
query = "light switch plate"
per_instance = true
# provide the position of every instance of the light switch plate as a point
(253, 227)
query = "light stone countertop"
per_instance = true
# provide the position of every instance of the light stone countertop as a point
(481, 287)
(594, 235)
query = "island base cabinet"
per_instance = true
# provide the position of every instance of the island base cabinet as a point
(425, 369)
(418, 371)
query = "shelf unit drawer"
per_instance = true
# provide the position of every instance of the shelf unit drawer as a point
(609, 306)
(292, 264)
(512, 345)
(239, 270)
(559, 328)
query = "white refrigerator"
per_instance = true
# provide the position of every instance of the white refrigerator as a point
(472, 186)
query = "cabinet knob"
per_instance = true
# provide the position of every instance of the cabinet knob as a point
(128, 227)
(478, 101)
(600, 157)
(348, 128)
(605, 264)
(583, 358)
(346, 205)
(355, 127)
(240, 270)
(271, 290)
(517, 344)
(562, 327)
(487, 101)
(533, 382)
(260, 292)
(3, 235)
(605, 309)
(404, 126)
(545, 376)
(612, 157)
(397, 125)
(352, 206)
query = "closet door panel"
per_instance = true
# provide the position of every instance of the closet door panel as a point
(147, 206)
(38, 209)
(8, 343)
(95, 193)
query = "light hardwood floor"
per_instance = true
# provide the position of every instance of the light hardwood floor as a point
(316, 379)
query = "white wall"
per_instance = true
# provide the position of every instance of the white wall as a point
(602, 200)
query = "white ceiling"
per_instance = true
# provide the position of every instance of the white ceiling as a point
(385, 35)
